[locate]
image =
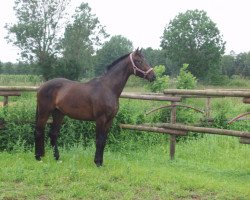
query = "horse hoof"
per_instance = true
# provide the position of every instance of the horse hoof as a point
(57, 158)
(38, 158)
(98, 164)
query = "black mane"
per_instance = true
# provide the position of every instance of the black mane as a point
(115, 62)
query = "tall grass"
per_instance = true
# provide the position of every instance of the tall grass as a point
(25, 80)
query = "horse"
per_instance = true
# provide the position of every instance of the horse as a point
(96, 100)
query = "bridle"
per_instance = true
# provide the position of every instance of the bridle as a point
(145, 73)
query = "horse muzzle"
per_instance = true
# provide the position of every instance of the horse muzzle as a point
(151, 77)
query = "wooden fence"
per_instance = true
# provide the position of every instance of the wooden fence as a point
(180, 129)
(174, 97)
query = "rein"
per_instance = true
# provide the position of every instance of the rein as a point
(145, 73)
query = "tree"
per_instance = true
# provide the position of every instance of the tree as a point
(82, 37)
(111, 50)
(1, 67)
(9, 68)
(247, 71)
(242, 63)
(69, 69)
(37, 30)
(193, 38)
(155, 56)
(228, 65)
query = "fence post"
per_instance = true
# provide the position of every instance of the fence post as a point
(208, 107)
(173, 137)
(5, 100)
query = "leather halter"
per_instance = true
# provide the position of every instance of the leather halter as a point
(145, 73)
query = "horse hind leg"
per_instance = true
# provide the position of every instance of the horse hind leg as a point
(54, 131)
(41, 121)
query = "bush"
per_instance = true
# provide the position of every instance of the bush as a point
(237, 81)
(161, 82)
(217, 79)
(185, 79)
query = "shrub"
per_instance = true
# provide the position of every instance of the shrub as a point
(217, 79)
(161, 82)
(237, 81)
(186, 80)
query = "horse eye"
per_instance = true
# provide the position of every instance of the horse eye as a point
(139, 61)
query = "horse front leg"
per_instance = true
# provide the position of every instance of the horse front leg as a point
(101, 137)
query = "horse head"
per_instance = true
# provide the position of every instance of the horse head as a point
(141, 67)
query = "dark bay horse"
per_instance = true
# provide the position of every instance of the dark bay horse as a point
(96, 100)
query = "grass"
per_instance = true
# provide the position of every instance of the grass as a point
(25, 80)
(212, 167)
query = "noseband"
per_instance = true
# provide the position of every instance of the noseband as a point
(145, 73)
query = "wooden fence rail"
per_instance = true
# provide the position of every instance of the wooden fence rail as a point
(210, 93)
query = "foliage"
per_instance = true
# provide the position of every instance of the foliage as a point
(17, 68)
(239, 82)
(7, 79)
(37, 29)
(220, 118)
(45, 65)
(155, 56)
(186, 80)
(134, 82)
(82, 37)
(236, 65)
(242, 64)
(228, 65)
(218, 79)
(161, 82)
(192, 37)
(1, 67)
(116, 47)
(69, 69)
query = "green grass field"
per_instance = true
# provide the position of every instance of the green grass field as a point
(212, 167)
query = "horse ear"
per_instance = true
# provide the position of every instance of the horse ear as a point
(137, 51)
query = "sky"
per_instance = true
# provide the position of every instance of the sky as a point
(143, 21)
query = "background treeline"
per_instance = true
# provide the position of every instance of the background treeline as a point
(84, 48)
(232, 66)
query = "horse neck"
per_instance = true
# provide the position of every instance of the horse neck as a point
(116, 78)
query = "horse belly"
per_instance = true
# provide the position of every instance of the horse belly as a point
(83, 115)
(75, 109)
